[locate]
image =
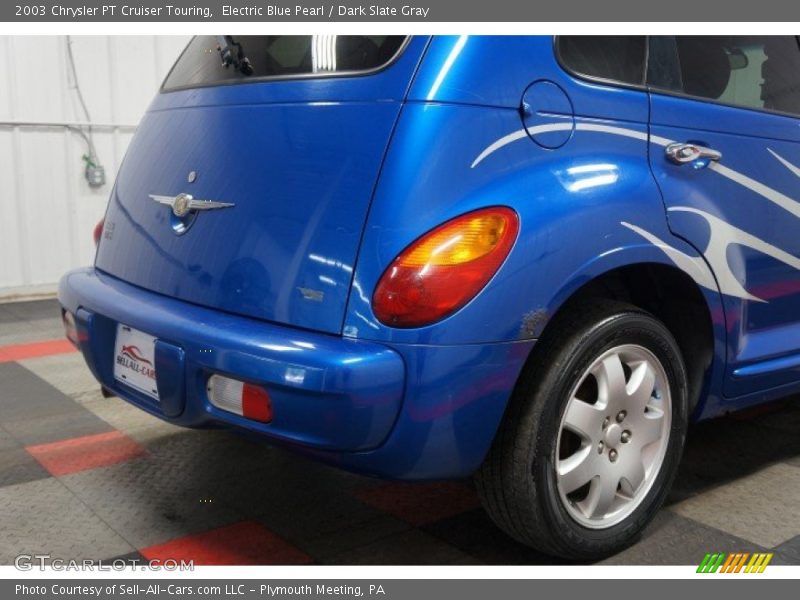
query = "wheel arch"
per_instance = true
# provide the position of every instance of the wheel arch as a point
(693, 314)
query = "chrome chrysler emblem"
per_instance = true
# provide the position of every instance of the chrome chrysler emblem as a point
(183, 204)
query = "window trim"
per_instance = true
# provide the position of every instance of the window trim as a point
(667, 92)
(604, 80)
(291, 77)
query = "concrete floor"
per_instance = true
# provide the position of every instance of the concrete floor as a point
(85, 477)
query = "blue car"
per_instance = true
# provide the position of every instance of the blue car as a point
(533, 260)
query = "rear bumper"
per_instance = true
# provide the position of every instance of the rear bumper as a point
(410, 411)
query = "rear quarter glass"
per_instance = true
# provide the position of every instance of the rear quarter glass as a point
(222, 60)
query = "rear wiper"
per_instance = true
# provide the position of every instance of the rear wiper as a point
(232, 55)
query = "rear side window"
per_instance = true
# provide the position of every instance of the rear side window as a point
(613, 58)
(752, 71)
(211, 60)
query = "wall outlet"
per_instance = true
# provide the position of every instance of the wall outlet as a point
(95, 175)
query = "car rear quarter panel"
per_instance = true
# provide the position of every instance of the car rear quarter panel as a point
(574, 203)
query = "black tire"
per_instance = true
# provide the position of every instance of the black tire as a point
(517, 481)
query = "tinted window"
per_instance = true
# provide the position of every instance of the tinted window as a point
(663, 70)
(209, 60)
(616, 58)
(752, 71)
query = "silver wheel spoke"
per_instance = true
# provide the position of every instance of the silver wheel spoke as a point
(583, 418)
(641, 385)
(577, 470)
(601, 495)
(610, 380)
(649, 426)
(633, 475)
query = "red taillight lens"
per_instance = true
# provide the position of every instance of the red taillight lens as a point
(98, 231)
(445, 268)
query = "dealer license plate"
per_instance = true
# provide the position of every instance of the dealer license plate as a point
(135, 360)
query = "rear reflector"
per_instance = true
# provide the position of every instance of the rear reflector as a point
(70, 329)
(245, 399)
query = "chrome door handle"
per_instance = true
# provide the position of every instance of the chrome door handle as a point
(682, 153)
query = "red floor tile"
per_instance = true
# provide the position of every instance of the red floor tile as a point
(421, 503)
(83, 453)
(244, 543)
(35, 350)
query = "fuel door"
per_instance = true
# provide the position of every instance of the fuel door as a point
(547, 114)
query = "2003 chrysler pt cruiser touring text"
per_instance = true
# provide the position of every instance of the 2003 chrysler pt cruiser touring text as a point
(534, 260)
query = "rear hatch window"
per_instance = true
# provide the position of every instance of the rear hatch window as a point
(214, 60)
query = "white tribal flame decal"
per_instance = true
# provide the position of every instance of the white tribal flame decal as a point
(722, 235)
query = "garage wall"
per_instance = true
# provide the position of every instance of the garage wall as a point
(47, 209)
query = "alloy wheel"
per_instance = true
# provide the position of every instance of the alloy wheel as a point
(613, 436)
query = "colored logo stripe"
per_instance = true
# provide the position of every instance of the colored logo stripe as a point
(735, 562)
(758, 563)
(711, 562)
